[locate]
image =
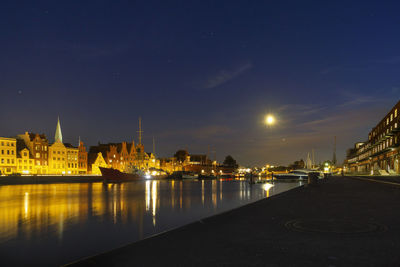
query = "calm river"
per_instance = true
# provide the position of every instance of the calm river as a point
(54, 224)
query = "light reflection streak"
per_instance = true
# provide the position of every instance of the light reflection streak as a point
(26, 204)
(173, 194)
(147, 195)
(180, 194)
(214, 193)
(202, 192)
(154, 200)
(220, 190)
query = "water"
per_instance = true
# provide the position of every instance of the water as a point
(54, 224)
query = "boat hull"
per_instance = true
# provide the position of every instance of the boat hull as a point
(111, 175)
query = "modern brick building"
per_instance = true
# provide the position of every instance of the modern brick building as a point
(380, 154)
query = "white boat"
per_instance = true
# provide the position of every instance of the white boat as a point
(301, 174)
(189, 175)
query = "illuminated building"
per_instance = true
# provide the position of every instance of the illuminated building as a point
(71, 159)
(25, 159)
(380, 154)
(8, 155)
(58, 154)
(95, 160)
(82, 159)
(170, 165)
(57, 158)
(38, 147)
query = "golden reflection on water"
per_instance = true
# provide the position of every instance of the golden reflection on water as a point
(50, 209)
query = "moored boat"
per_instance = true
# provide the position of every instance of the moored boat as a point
(111, 175)
(189, 175)
(295, 175)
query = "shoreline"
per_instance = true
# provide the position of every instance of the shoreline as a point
(87, 261)
(48, 179)
(306, 226)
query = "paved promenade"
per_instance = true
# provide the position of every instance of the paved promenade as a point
(339, 222)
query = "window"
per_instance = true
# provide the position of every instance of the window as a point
(37, 155)
(25, 154)
(391, 117)
(25, 161)
(2, 160)
(387, 121)
(12, 161)
(8, 161)
(2, 152)
(395, 113)
(12, 152)
(38, 163)
(8, 152)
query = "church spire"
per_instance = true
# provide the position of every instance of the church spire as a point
(58, 136)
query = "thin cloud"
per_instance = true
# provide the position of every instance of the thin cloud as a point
(224, 76)
(392, 60)
(203, 132)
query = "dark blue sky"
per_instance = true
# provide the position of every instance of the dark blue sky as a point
(201, 73)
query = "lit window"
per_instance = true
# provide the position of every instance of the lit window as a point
(395, 113)
(387, 121)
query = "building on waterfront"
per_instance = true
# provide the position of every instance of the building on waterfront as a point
(82, 159)
(72, 161)
(8, 155)
(38, 147)
(58, 153)
(121, 156)
(57, 158)
(96, 160)
(380, 154)
(170, 165)
(25, 159)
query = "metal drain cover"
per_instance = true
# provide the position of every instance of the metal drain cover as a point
(334, 226)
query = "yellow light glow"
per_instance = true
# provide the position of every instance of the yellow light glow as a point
(269, 119)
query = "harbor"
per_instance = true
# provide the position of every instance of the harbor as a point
(342, 221)
(40, 222)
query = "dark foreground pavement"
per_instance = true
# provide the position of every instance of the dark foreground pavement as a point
(340, 222)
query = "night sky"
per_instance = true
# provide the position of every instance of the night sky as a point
(201, 73)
